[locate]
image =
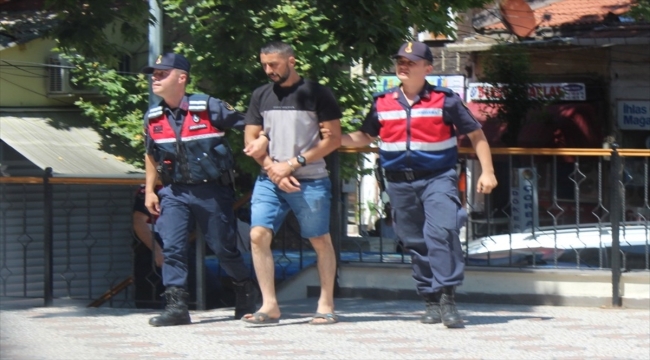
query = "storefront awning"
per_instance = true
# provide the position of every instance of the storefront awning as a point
(62, 140)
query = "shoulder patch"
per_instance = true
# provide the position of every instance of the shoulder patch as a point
(228, 106)
(198, 102)
(447, 91)
(155, 112)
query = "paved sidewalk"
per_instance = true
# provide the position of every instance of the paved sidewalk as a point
(369, 330)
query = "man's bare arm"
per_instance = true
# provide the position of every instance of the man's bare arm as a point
(151, 177)
(487, 181)
(255, 145)
(326, 145)
(357, 139)
(277, 171)
(145, 235)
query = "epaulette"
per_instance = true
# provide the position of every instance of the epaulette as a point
(155, 112)
(381, 93)
(198, 102)
(442, 89)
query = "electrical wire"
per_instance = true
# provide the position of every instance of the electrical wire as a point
(27, 71)
(35, 92)
(22, 75)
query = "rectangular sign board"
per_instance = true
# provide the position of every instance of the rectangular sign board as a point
(453, 82)
(633, 114)
(562, 91)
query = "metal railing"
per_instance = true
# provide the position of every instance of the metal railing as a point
(573, 189)
(65, 237)
(71, 237)
(54, 230)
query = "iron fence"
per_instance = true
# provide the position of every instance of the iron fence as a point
(554, 208)
(71, 237)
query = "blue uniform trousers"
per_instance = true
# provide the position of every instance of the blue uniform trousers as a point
(428, 216)
(210, 206)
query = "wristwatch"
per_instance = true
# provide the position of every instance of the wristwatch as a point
(301, 160)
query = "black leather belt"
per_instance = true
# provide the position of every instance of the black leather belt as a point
(409, 175)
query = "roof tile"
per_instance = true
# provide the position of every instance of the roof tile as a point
(575, 12)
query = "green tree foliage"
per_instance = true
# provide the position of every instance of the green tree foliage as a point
(640, 10)
(85, 26)
(121, 111)
(222, 38)
(507, 69)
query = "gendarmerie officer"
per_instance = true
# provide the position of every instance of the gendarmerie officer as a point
(417, 123)
(186, 146)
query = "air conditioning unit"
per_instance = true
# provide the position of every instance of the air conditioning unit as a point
(59, 82)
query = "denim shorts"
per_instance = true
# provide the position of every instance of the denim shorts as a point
(311, 205)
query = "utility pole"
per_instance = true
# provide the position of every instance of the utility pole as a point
(155, 42)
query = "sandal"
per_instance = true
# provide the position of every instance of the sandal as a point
(260, 318)
(330, 318)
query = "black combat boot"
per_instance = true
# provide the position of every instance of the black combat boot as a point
(432, 313)
(450, 316)
(246, 294)
(175, 312)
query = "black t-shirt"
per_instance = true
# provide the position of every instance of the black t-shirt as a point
(291, 117)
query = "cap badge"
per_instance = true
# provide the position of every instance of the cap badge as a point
(196, 118)
(159, 60)
(409, 48)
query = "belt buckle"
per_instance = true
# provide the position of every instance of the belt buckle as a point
(409, 175)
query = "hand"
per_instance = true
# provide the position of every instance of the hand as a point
(277, 171)
(152, 203)
(257, 148)
(486, 183)
(289, 184)
(159, 258)
(324, 132)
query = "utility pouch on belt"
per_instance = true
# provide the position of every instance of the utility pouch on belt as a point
(165, 170)
(223, 157)
(225, 163)
(208, 165)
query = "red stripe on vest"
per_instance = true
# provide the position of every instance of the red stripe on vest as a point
(201, 127)
(428, 129)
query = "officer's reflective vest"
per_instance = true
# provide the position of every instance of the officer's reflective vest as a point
(415, 139)
(199, 153)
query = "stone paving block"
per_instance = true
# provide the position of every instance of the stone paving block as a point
(369, 329)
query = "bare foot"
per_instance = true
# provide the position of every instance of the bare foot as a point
(270, 314)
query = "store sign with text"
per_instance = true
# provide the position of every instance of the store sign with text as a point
(633, 114)
(559, 91)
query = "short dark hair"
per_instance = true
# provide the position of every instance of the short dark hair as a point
(276, 47)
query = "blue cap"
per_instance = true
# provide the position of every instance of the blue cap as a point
(414, 51)
(168, 61)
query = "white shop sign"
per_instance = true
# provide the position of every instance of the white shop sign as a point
(633, 115)
(565, 91)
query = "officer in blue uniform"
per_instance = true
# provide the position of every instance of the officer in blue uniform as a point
(186, 147)
(417, 123)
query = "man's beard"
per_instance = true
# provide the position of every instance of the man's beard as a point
(282, 78)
